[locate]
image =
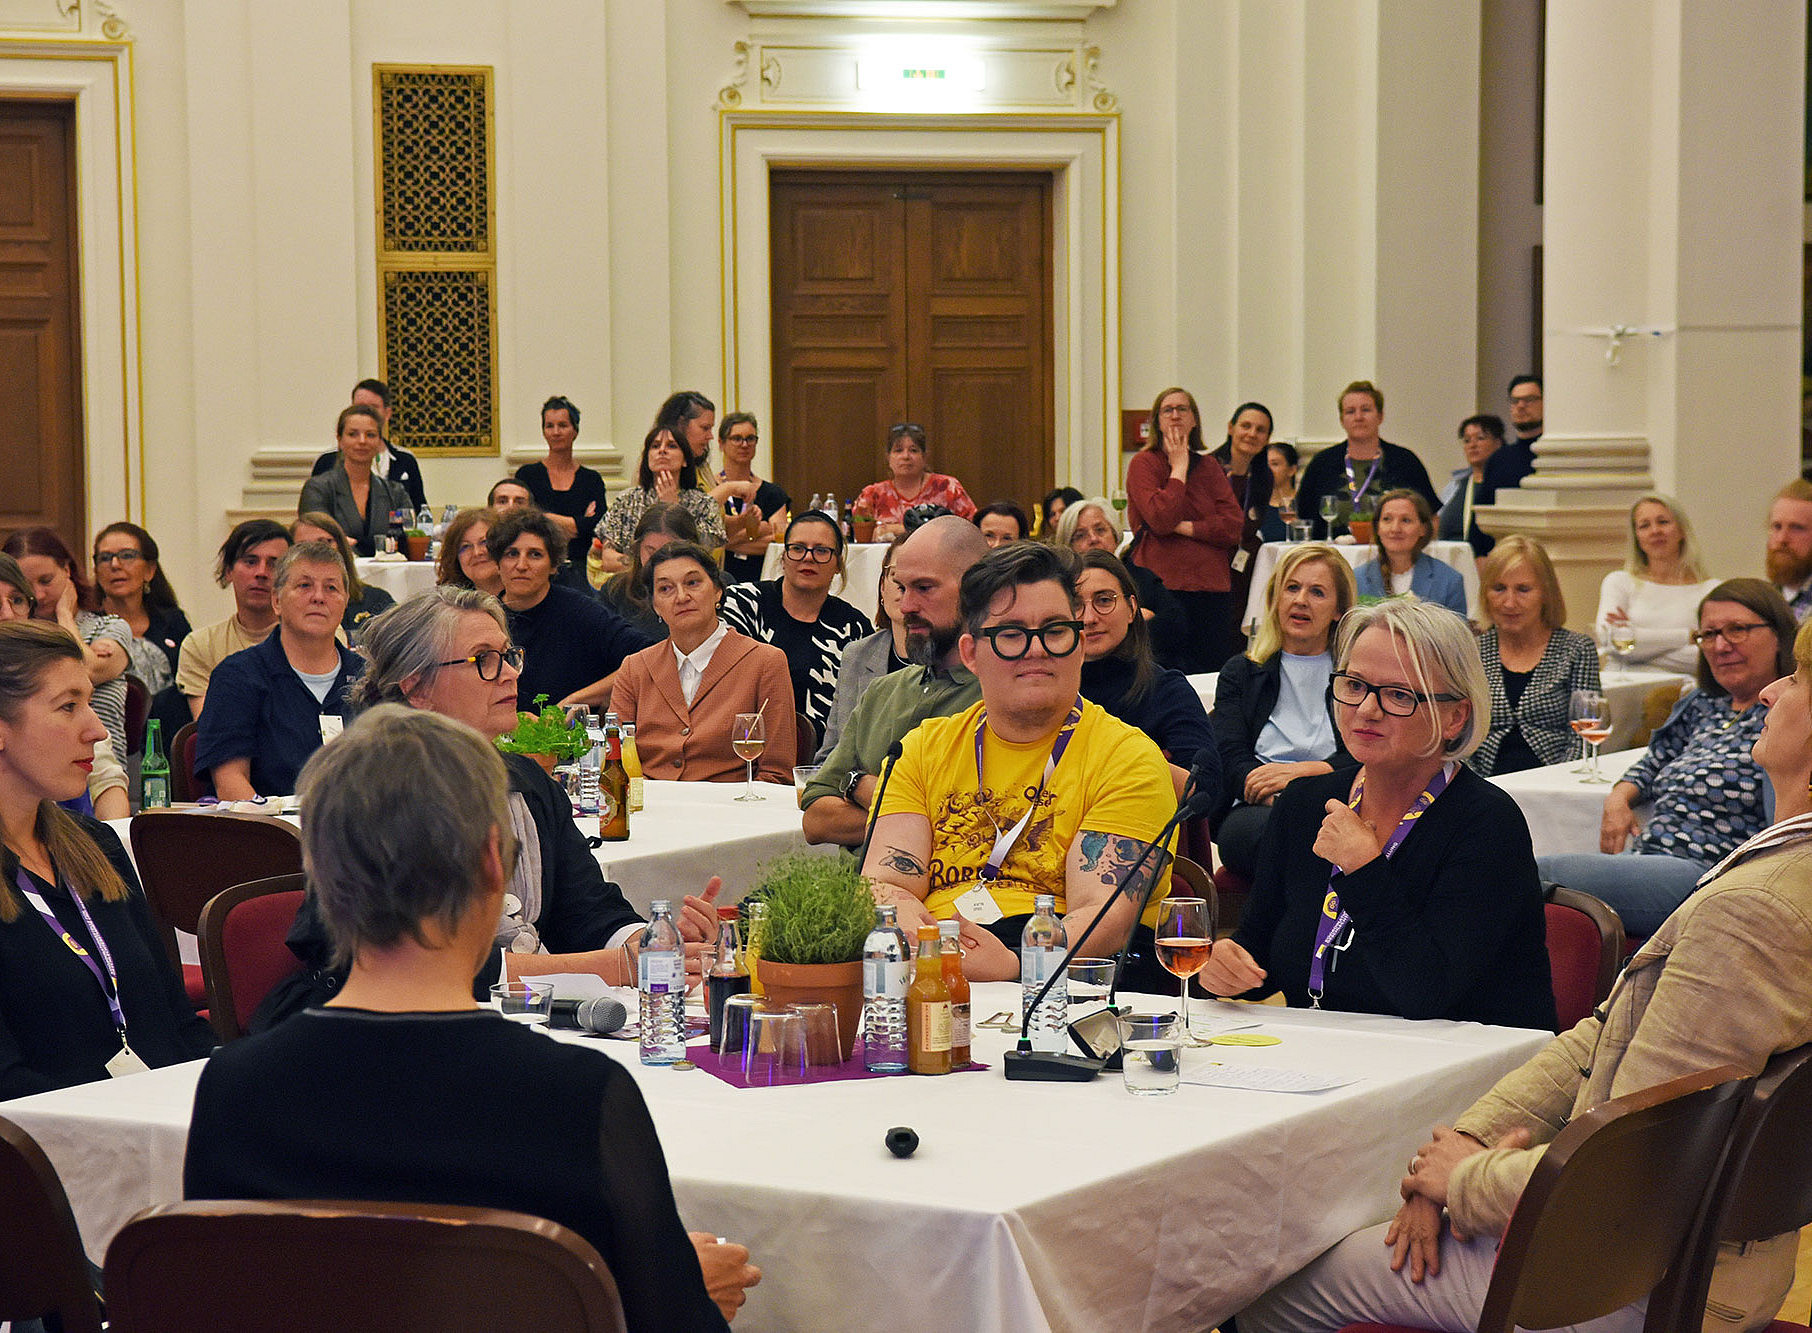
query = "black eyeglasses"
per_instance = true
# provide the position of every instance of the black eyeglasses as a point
(127, 557)
(742, 439)
(1058, 638)
(1734, 635)
(818, 555)
(489, 661)
(1393, 699)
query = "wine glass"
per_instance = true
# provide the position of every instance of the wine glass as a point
(1330, 511)
(1623, 640)
(1118, 499)
(1588, 716)
(1185, 938)
(749, 737)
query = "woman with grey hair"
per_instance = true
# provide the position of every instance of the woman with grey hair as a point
(1091, 525)
(401, 1086)
(447, 652)
(1408, 887)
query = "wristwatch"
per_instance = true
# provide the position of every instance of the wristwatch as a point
(850, 784)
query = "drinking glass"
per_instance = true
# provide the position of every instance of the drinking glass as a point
(1090, 981)
(1151, 1057)
(822, 1043)
(530, 1003)
(1301, 531)
(1185, 938)
(802, 774)
(748, 737)
(739, 1018)
(775, 1051)
(1588, 716)
(1118, 500)
(1330, 511)
(1623, 640)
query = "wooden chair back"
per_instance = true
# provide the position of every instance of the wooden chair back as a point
(242, 950)
(262, 1267)
(1610, 1205)
(806, 747)
(1585, 951)
(1656, 705)
(45, 1272)
(183, 785)
(185, 857)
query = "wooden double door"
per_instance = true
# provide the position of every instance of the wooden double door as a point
(912, 296)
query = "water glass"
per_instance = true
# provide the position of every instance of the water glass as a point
(1151, 1048)
(1090, 981)
(802, 774)
(739, 1019)
(1302, 531)
(528, 1002)
(822, 1045)
(775, 1051)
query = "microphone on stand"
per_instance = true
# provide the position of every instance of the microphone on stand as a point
(874, 806)
(1025, 1064)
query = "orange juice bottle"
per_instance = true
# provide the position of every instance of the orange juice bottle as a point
(959, 992)
(928, 1017)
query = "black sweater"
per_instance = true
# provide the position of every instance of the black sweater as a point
(1450, 926)
(1170, 712)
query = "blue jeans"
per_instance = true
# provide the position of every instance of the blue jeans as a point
(1644, 890)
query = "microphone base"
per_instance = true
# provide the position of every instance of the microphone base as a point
(1047, 1067)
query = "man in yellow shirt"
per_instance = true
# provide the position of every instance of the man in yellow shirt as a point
(1032, 790)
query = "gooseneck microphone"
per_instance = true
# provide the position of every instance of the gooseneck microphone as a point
(874, 806)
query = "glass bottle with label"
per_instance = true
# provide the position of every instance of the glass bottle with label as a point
(154, 770)
(729, 974)
(613, 786)
(758, 934)
(632, 762)
(928, 1009)
(959, 991)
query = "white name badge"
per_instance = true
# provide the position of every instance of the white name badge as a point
(125, 1063)
(1241, 558)
(331, 727)
(978, 905)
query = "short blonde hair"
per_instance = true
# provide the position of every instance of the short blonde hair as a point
(1442, 656)
(1268, 641)
(1508, 552)
(1637, 560)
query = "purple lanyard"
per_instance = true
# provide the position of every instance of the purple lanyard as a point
(111, 991)
(1368, 476)
(1335, 919)
(1003, 841)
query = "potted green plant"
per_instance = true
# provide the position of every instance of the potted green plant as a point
(545, 736)
(820, 911)
(416, 543)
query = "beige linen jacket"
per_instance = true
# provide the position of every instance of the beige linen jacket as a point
(1726, 980)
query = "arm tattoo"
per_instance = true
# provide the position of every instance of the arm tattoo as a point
(1111, 856)
(898, 858)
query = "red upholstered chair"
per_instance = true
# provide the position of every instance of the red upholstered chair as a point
(1233, 890)
(1585, 951)
(242, 948)
(807, 747)
(138, 709)
(258, 1267)
(44, 1272)
(1610, 1206)
(184, 786)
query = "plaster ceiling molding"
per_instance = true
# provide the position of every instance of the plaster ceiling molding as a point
(1073, 11)
(1078, 75)
(113, 25)
(730, 94)
(40, 16)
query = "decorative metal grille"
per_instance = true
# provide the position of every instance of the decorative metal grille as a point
(437, 275)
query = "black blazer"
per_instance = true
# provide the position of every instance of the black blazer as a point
(331, 493)
(403, 470)
(1244, 696)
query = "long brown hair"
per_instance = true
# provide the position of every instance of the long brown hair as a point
(448, 573)
(28, 648)
(46, 542)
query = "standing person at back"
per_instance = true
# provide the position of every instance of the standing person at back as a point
(391, 463)
(1363, 466)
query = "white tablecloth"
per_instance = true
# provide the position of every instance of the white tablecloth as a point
(1562, 808)
(1035, 1206)
(402, 579)
(862, 574)
(1625, 692)
(1204, 687)
(1457, 554)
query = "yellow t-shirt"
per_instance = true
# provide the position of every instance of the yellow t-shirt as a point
(1111, 779)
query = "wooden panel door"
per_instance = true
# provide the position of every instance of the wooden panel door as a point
(913, 296)
(41, 425)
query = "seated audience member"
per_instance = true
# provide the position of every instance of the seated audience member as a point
(247, 560)
(273, 705)
(363, 600)
(1002, 522)
(106, 796)
(356, 497)
(684, 695)
(509, 494)
(688, 416)
(1097, 788)
(133, 587)
(402, 1087)
(759, 505)
(448, 652)
(1727, 979)
(1051, 508)
(391, 463)
(665, 476)
(1532, 663)
(574, 643)
(1120, 674)
(1705, 792)
(1433, 909)
(1657, 592)
(1516, 460)
(65, 598)
(1790, 545)
(1362, 466)
(1092, 525)
(627, 593)
(910, 485)
(86, 987)
(571, 495)
(1401, 534)
(465, 561)
(866, 660)
(1273, 716)
(1480, 438)
(1280, 457)
(800, 615)
(929, 566)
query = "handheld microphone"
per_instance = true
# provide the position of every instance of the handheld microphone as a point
(599, 1015)
(874, 806)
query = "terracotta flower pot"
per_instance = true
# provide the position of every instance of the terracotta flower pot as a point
(416, 547)
(804, 983)
(864, 529)
(548, 762)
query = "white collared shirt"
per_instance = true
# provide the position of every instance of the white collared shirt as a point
(692, 665)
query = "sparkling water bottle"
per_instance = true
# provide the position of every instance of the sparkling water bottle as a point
(1041, 948)
(590, 764)
(886, 972)
(661, 979)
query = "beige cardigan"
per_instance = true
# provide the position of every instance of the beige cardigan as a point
(1726, 980)
(692, 744)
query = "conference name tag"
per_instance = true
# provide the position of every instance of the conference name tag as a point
(978, 905)
(124, 1063)
(1241, 558)
(331, 726)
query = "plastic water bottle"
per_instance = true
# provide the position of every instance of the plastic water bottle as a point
(1041, 948)
(590, 765)
(661, 979)
(424, 520)
(886, 972)
(817, 501)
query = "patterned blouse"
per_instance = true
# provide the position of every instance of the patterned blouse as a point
(1709, 793)
(1568, 663)
(813, 649)
(889, 506)
(618, 527)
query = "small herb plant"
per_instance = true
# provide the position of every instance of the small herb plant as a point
(545, 731)
(820, 909)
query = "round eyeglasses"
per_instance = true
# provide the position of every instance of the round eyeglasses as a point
(1058, 638)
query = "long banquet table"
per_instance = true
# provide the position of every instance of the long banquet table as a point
(1027, 1206)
